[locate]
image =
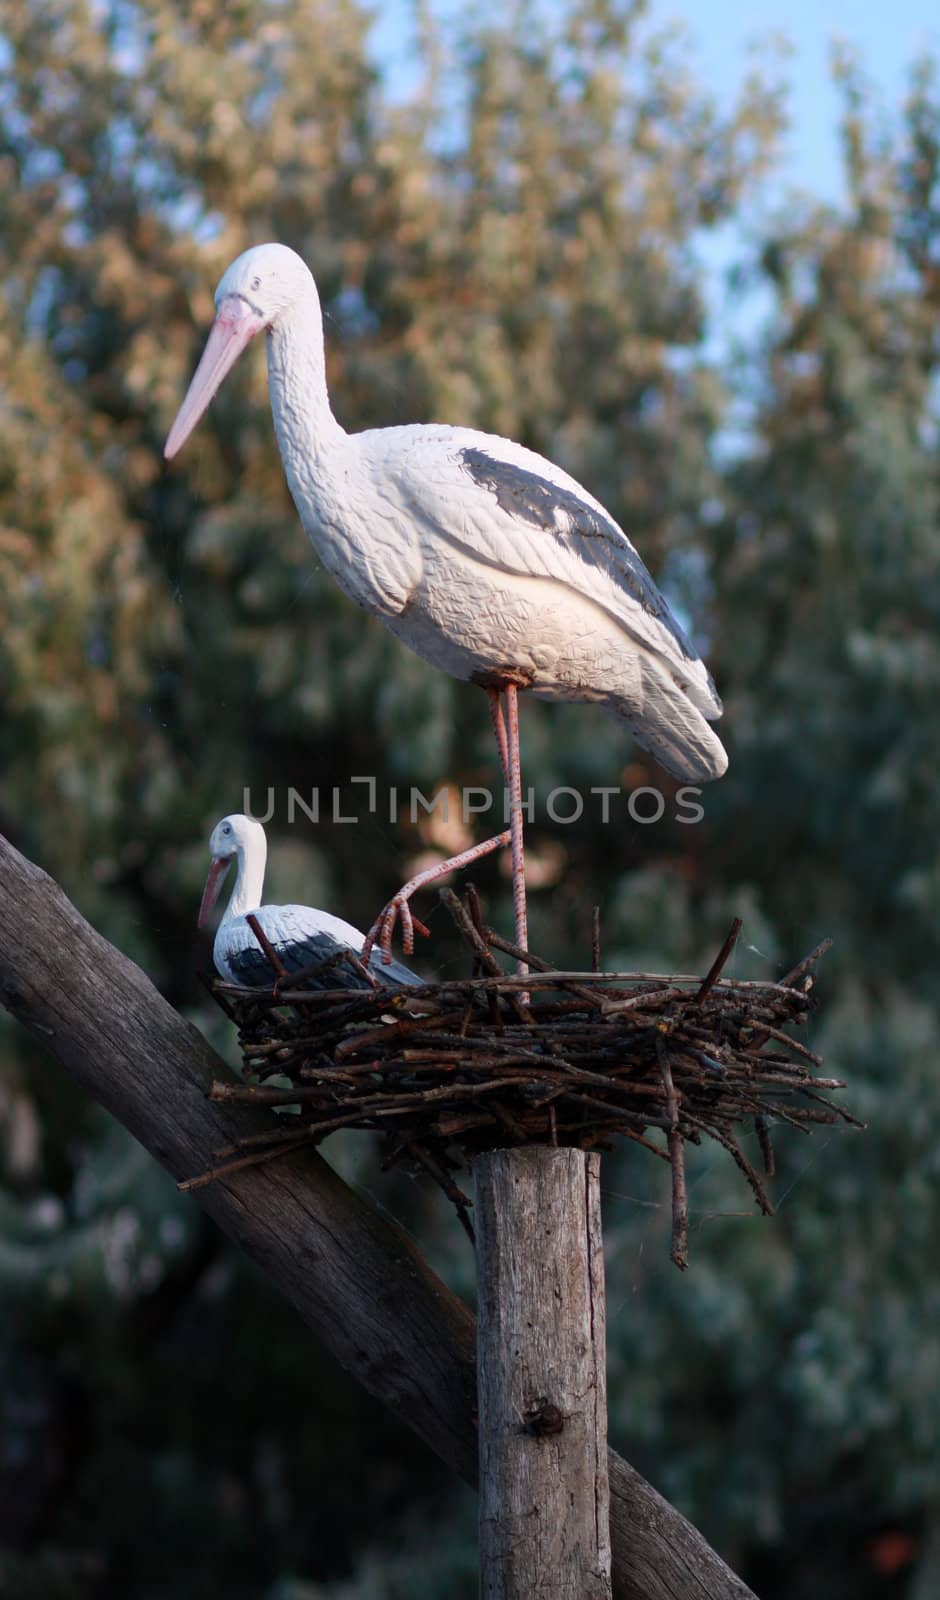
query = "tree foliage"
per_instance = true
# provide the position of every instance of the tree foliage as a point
(511, 243)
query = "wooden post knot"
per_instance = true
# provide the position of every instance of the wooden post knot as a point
(543, 1419)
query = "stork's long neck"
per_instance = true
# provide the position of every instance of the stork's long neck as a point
(308, 434)
(249, 879)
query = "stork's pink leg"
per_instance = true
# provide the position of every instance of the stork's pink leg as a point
(384, 925)
(514, 781)
(499, 728)
(506, 728)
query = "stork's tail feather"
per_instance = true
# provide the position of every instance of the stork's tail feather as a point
(672, 729)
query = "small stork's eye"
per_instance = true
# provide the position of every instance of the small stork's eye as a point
(226, 827)
(256, 283)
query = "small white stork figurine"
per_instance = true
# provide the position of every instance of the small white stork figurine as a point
(483, 557)
(300, 936)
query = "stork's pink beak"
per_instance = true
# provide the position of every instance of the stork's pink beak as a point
(210, 893)
(235, 326)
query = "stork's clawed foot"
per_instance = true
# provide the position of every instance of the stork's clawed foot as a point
(398, 908)
(383, 929)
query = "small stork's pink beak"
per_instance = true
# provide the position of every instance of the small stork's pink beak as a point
(235, 326)
(210, 893)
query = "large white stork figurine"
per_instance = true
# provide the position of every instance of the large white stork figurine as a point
(300, 937)
(486, 559)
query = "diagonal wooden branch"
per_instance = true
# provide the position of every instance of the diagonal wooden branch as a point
(357, 1280)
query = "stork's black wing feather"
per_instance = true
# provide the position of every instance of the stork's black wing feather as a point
(251, 967)
(563, 515)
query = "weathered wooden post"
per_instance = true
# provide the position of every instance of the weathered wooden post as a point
(541, 1381)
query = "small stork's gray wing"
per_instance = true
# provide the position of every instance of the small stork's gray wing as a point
(249, 967)
(321, 959)
(324, 961)
(551, 527)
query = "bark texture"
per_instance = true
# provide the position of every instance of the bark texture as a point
(356, 1278)
(541, 1376)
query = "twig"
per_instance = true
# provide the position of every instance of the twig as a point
(186, 1185)
(478, 944)
(794, 1044)
(680, 1203)
(613, 1008)
(476, 915)
(266, 945)
(734, 1150)
(715, 970)
(789, 982)
(474, 936)
(461, 1201)
(545, 968)
(766, 1146)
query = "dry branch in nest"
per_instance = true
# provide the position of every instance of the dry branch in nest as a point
(448, 1069)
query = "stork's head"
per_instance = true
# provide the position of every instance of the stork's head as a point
(235, 836)
(258, 288)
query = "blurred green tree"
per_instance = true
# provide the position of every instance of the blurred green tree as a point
(512, 243)
(801, 1358)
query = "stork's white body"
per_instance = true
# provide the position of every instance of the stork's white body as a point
(483, 557)
(487, 560)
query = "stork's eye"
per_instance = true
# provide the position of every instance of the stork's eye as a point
(256, 283)
(227, 828)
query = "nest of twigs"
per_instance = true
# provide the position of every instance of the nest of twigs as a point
(449, 1069)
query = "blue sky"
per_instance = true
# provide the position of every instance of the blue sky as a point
(723, 34)
(888, 34)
